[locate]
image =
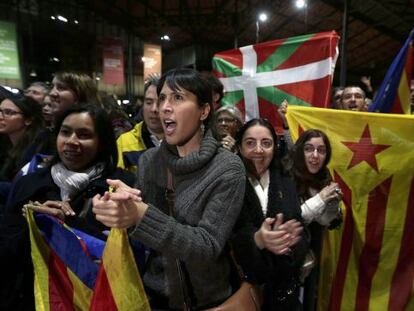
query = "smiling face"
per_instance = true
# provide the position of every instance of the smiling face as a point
(77, 142)
(353, 98)
(257, 147)
(62, 97)
(181, 117)
(12, 121)
(315, 154)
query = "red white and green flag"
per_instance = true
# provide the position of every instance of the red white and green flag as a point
(257, 78)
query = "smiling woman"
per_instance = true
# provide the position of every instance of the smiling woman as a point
(269, 241)
(86, 156)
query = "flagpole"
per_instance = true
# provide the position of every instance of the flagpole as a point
(342, 80)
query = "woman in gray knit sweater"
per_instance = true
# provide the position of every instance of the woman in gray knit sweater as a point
(209, 186)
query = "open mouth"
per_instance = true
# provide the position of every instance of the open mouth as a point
(71, 155)
(169, 126)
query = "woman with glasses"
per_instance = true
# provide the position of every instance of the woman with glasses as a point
(227, 122)
(20, 121)
(269, 241)
(319, 196)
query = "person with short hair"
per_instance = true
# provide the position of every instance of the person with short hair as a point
(69, 88)
(145, 134)
(37, 91)
(227, 122)
(353, 98)
(208, 183)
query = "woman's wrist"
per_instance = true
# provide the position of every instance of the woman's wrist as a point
(258, 239)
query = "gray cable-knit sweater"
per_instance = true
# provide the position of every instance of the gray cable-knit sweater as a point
(209, 187)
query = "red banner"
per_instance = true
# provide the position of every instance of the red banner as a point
(113, 61)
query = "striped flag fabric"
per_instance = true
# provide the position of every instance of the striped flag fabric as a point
(368, 264)
(75, 271)
(394, 93)
(257, 78)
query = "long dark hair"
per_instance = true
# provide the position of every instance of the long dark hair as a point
(107, 152)
(276, 163)
(14, 155)
(192, 81)
(304, 179)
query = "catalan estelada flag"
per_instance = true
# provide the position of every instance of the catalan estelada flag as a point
(394, 93)
(75, 271)
(257, 78)
(368, 264)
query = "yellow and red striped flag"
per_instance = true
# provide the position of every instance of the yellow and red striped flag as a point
(75, 271)
(368, 264)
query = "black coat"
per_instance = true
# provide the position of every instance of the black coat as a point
(16, 286)
(278, 273)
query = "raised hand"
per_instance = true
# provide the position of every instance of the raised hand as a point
(282, 111)
(330, 192)
(228, 142)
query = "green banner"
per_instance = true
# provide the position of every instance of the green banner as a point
(9, 56)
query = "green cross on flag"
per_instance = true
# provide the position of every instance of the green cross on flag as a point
(257, 78)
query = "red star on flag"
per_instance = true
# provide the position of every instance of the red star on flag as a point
(365, 150)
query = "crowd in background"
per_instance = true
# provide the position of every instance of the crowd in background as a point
(238, 186)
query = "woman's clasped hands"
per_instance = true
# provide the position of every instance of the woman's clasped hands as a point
(277, 236)
(121, 208)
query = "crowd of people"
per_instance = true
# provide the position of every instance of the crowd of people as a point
(238, 191)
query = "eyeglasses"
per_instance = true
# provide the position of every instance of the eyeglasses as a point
(225, 120)
(308, 148)
(264, 143)
(8, 113)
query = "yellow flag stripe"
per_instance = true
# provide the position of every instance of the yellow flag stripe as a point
(82, 294)
(40, 257)
(373, 288)
(122, 273)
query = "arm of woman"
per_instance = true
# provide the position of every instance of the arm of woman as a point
(323, 207)
(161, 232)
(206, 239)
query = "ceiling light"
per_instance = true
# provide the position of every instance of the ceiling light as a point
(62, 18)
(300, 4)
(165, 37)
(262, 17)
(76, 21)
(52, 17)
(33, 73)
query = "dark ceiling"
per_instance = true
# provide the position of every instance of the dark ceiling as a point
(376, 29)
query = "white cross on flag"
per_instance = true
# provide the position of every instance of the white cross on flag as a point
(257, 78)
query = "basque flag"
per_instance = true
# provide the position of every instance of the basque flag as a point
(257, 78)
